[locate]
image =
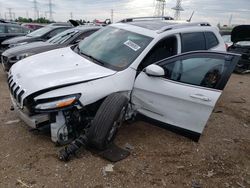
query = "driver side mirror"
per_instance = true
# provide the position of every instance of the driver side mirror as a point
(154, 70)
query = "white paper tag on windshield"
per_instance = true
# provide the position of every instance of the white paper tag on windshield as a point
(132, 45)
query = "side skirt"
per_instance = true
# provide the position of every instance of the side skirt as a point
(183, 132)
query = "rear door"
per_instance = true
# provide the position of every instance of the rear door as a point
(186, 95)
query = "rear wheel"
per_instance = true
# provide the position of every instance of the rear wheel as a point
(108, 119)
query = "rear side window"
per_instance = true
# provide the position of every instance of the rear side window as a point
(211, 40)
(14, 29)
(193, 41)
(56, 31)
(2, 29)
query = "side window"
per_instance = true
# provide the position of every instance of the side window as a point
(211, 40)
(162, 50)
(193, 42)
(2, 29)
(55, 32)
(205, 72)
(14, 29)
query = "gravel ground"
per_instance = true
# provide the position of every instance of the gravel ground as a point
(159, 158)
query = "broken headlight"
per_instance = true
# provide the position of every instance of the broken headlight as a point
(57, 103)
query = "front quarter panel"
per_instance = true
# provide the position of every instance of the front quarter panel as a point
(93, 91)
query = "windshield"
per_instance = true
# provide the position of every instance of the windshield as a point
(39, 32)
(113, 47)
(63, 37)
(227, 38)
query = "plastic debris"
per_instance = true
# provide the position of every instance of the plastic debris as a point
(12, 122)
(108, 168)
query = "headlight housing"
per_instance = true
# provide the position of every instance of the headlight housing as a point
(56, 103)
(17, 44)
(22, 56)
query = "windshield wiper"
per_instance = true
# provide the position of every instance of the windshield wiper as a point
(92, 58)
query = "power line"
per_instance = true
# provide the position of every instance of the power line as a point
(11, 15)
(178, 9)
(36, 12)
(112, 15)
(50, 10)
(160, 7)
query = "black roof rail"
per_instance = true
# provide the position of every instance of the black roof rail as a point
(181, 25)
(146, 18)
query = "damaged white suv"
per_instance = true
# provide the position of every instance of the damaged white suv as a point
(133, 67)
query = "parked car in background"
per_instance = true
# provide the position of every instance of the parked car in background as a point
(226, 35)
(62, 24)
(42, 34)
(9, 30)
(144, 67)
(241, 44)
(66, 38)
(32, 26)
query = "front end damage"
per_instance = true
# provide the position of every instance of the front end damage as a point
(64, 116)
(240, 37)
(244, 64)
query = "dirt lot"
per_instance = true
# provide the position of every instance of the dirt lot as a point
(160, 158)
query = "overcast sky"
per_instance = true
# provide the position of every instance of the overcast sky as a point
(214, 11)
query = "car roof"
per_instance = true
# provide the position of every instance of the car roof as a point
(86, 27)
(153, 25)
(60, 24)
(83, 28)
(10, 24)
(153, 28)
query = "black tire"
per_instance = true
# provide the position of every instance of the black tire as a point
(105, 124)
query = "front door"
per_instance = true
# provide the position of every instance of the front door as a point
(186, 95)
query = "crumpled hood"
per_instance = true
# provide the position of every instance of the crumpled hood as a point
(32, 48)
(55, 68)
(240, 33)
(19, 40)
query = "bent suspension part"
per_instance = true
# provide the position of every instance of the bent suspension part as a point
(71, 149)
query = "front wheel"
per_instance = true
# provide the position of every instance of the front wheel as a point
(108, 119)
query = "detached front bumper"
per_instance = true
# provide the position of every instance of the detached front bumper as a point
(31, 121)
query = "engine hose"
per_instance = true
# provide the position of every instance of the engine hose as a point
(71, 149)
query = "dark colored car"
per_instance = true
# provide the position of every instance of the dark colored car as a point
(9, 30)
(66, 38)
(42, 34)
(240, 37)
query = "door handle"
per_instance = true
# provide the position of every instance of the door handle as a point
(200, 96)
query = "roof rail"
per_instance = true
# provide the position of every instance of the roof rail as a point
(146, 18)
(177, 26)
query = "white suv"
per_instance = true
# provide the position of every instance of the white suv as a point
(159, 69)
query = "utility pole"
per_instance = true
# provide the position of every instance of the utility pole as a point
(36, 12)
(71, 15)
(230, 20)
(178, 10)
(50, 10)
(27, 14)
(10, 13)
(160, 8)
(112, 15)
